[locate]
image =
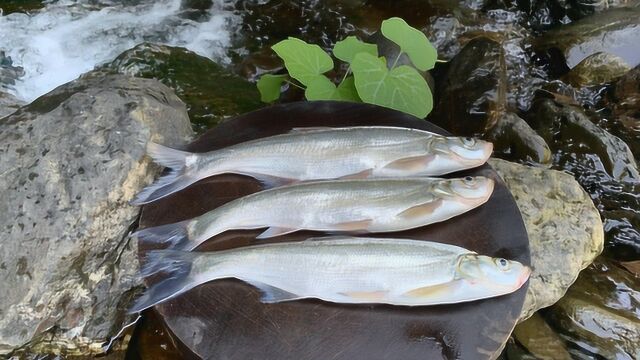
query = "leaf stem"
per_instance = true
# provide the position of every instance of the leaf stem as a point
(345, 75)
(396, 60)
(294, 84)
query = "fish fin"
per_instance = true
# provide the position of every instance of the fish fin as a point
(358, 225)
(432, 291)
(269, 181)
(176, 235)
(414, 163)
(174, 181)
(275, 231)
(421, 210)
(176, 265)
(309, 129)
(272, 294)
(372, 296)
(361, 175)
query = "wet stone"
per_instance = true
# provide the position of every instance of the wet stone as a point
(513, 139)
(596, 69)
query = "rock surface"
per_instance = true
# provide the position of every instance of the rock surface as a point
(8, 104)
(598, 68)
(210, 91)
(564, 227)
(69, 163)
(513, 138)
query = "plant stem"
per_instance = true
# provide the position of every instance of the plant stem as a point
(345, 75)
(396, 60)
(294, 84)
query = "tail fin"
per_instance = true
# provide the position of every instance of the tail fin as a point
(177, 267)
(176, 235)
(177, 179)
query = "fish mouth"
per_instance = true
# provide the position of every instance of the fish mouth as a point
(524, 277)
(488, 150)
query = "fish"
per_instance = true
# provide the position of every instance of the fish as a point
(355, 206)
(307, 154)
(340, 269)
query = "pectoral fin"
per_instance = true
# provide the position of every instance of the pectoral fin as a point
(358, 225)
(361, 175)
(422, 210)
(275, 231)
(433, 292)
(272, 294)
(369, 296)
(414, 163)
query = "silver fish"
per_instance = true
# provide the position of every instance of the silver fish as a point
(320, 153)
(364, 205)
(341, 270)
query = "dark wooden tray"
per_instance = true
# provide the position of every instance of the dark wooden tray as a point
(225, 320)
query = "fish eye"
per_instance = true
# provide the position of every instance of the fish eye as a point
(469, 180)
(468, 141)
(502, 264)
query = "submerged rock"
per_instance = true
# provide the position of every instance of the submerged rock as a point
(596, 69)
(600, 316)
(569, 131)
(535, 335)
(210, 91)
(564, 227)
(614, 31)
(70, 162)
(469, 91)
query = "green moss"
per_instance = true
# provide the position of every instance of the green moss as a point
(11, 6)
(210, 91)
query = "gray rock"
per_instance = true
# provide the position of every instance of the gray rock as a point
(564, 227)
(69, 163)
(8, 104)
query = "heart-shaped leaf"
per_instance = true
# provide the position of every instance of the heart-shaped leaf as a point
(402, 88)
(303, 61)
(322, 88)
(269, 87)
(412, 41)
(347, 49)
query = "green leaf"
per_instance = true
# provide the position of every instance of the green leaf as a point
(303, 61)
(269, 87)
(411, 41)
(347, 90)
(347, 49)
(402, 88)
(322, 88)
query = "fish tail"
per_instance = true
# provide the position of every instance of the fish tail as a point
(178, 277)
(177, 179)
(176, 235)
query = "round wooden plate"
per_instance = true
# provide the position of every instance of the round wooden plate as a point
(225, 319)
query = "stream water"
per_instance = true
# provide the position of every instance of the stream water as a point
(49, 43)
(67, 38)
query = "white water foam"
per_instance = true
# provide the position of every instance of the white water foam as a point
(67, 38)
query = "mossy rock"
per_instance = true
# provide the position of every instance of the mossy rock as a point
(211, 92)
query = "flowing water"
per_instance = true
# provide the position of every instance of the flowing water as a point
(67, 38)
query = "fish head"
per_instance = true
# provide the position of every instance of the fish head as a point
(464, 152)
(490, 276)
(471, 190)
